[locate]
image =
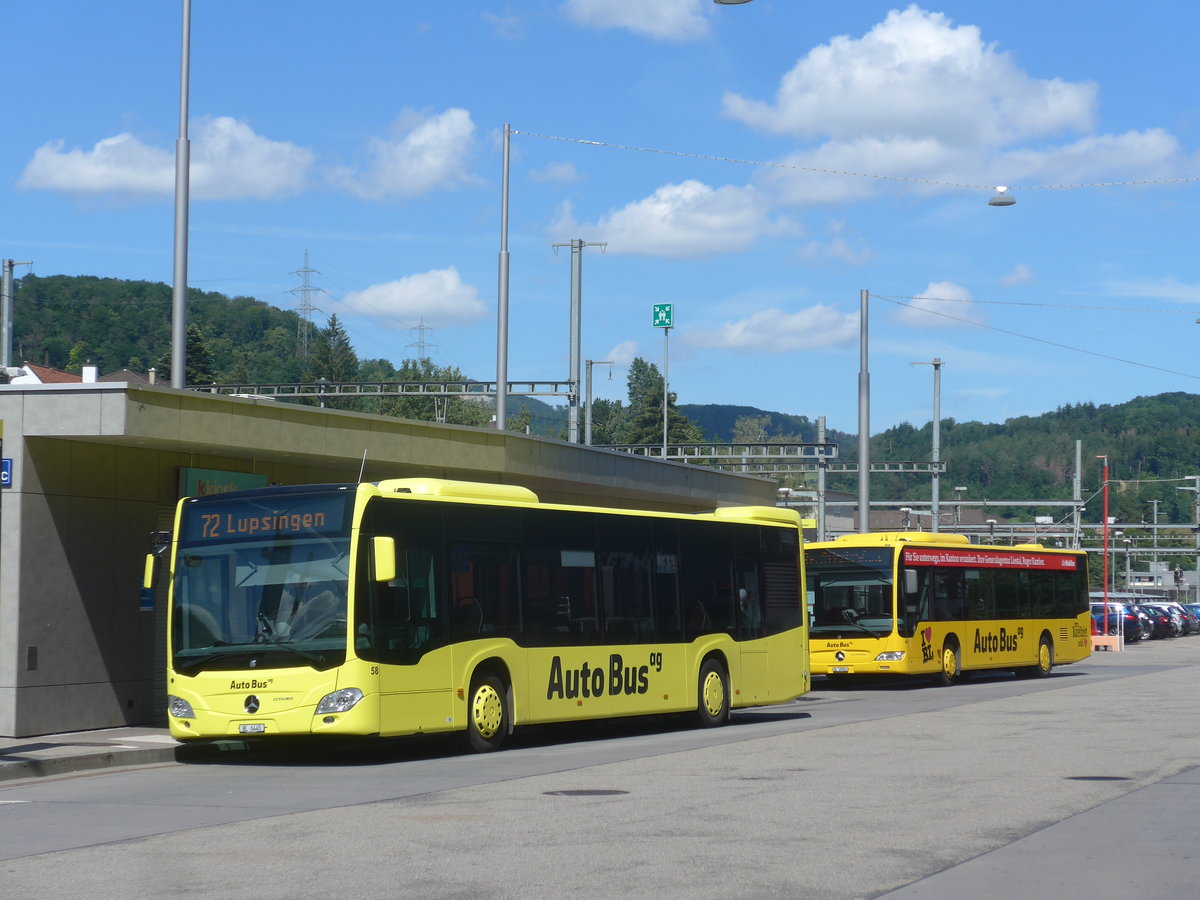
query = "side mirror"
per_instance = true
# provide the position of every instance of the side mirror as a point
(383, 558)
(149, 576)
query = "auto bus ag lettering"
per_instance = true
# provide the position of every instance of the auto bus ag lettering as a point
(596, 681)
(990, 642)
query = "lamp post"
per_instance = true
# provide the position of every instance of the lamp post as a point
(182, 170)
(587, 412)
(934, 491)
(959, 490)
(1104, 528)
(502, 292)
(1118, 536)
(1195, 490)
(1128, 542)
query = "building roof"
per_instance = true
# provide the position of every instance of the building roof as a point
(50, 375)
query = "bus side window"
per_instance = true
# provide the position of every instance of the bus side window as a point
(913, 601)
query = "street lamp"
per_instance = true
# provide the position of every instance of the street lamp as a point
(959, 490)
(1117, 535)
(1002, 197)
(1195, 489)
(587, 413)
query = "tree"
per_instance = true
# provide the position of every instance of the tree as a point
(197, 358)
(643, 420)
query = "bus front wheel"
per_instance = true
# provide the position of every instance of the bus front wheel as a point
(712, 701)
(487, 713)
(951, 665)
(1045, 659)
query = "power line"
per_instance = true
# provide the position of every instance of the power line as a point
(1128, 362)
(1136, 309)
(848, 174)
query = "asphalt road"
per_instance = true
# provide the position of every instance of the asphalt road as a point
(994, 788)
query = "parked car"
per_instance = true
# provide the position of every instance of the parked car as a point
(1121, 619)
(1173, 613)
(1162, 625)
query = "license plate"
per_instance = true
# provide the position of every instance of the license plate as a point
(253, 728)
(836, 670)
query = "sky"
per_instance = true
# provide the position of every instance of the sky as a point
(756, 166)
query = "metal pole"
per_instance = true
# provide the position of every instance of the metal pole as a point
(666, 332)
(182, 169)
(502, 296)
(6, 292)
(1104, 471)
(1154, 563)
(587, 410)
(937, 442)
(822, 465)
(864, 420)
(6, 311)
(1197, 529)
(573, 364)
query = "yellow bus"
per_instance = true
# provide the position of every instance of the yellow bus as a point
(932, 604)
(422, 605)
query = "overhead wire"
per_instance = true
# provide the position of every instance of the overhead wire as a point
(1028, 337)
(846, 173)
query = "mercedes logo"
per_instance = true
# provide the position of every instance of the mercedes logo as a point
(839, 656)
(251, 704)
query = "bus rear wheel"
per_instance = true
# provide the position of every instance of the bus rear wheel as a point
(712, 694)
(951, 665)
(488, 716)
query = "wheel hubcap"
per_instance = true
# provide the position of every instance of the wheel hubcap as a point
(487, 711)
(949, 663)
(714, 694)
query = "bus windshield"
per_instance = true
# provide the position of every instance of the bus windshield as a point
(261, 581)
(850, 591)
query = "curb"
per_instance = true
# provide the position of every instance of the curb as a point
(13, 769)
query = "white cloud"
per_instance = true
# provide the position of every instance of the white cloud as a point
(918, 99)
(623, 355)
(229, 161)
(1021, 274)
(915, 75)
(684, 221)
(672, 20)
(562, 172)
(838, 247)
(509, 27)
(943, 304)
(438, 297)
(1157, 289)
(774, 331)
(423, 153)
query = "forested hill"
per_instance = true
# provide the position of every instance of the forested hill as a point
(1151, 442)
(66, 321)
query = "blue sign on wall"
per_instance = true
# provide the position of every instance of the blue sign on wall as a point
(5, 473)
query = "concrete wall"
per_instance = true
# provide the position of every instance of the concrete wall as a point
(95, 471)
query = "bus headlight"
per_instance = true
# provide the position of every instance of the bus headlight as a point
(890, 656)
(339, 701)
(178, 708)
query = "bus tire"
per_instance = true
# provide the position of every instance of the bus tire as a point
(712, 694)
(488, 715)
(951, 664)
(1045, 659)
